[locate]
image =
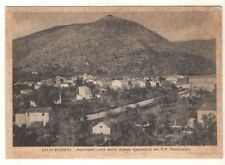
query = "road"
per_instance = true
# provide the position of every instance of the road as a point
(143, 103)
(121, 109)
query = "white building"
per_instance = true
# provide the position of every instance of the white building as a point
(25, 91)
(120, 84)
(174, 78)
(139, 83)
(84, 93)
(99, 83)
(87, 77)
(36, 86)
(117, 84)
(154, 82)
(32, 115)
(101, 128)
(64, 82)
(64, 85)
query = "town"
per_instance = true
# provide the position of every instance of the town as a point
(88, 110)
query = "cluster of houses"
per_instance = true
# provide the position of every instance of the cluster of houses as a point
(41, 114)
(204, 82)
(105, 127)
(180, 81)
(120, 83)
(186, 82)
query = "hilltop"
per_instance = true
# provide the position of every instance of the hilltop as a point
(110, 46)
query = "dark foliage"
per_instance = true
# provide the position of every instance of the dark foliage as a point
(108, 47)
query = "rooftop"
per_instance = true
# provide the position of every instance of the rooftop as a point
(39, 109)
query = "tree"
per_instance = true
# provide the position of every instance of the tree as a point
(203, 134)
(69, 133)
(46, 95)
(24, 136)
(209, 129)
(151, 118)
(162, 124)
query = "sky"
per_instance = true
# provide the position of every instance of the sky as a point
(175, 26)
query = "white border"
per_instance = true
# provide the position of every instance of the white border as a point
(4, 3)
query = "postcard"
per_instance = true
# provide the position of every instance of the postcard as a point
(114, 82)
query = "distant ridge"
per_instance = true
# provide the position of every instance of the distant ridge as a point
(205, 48)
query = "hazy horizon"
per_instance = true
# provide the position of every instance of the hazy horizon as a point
(174, 26)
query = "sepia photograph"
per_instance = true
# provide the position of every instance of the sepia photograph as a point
(114, 77)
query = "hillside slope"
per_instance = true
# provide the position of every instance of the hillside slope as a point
(205, 48)
(110, 46)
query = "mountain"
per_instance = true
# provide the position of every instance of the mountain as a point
(205, 48)
(110, 46)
